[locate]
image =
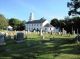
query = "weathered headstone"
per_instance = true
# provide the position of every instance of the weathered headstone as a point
(74, 32)
(64, 32)
(37, 32)
(20, 37)
(41, 32)
(42, 37)
(2, 39)
(51, 32)
(59, 33)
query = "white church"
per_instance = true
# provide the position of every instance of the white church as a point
(37, 25)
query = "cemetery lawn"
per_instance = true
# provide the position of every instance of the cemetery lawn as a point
(34, 47)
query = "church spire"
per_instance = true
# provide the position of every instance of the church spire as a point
(31, 17)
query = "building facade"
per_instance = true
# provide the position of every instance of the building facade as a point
(37, 25)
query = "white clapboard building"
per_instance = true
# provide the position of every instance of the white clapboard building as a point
(37, 25)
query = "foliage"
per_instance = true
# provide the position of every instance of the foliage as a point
(69, 24)
(3, 22)
(74, 6)
(22, 25)
(14, 23)
(55, 22)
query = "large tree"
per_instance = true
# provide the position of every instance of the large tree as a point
(15, 23)
(21, 26)
(55, 22)
(74, 6)
(3, 22)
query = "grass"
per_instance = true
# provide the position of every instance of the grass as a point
(34, 47)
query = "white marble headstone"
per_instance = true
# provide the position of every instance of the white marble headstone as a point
(41, 32)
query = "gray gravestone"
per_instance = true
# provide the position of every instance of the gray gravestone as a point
(2, 39)
(20, 37)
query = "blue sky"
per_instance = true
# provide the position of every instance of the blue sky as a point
(21, 9)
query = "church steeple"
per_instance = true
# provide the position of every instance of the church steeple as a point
(31, 17)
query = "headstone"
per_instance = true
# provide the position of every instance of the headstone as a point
(38, 32)
(74, 32)
(59, 33)
(41, 32)
(2, 39)
(25, 34)
(20, 37)
(42, 37)
(51, 32)
(64, 32)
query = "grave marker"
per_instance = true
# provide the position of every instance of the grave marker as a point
(2, 39)
(20, 37)
(41, 32)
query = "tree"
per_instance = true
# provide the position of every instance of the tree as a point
(70, 24)
(14, 23)
(3, 22)
(55, 22)
(74, 6)
(22, 26)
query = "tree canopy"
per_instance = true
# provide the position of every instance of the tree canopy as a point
(68, 24)
(3, 22)
(14, 22)
(74, 6)
(55, 22)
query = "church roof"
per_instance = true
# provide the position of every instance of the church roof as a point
(48, 25)
(36, 21)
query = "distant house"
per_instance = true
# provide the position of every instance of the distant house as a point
(37, 25)
(49, 28)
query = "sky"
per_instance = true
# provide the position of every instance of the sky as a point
(21, 9)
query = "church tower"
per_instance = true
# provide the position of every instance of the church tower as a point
(31, 17)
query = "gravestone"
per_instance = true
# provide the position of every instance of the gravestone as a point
(74, 32)
(64, 32)
(51, 32)
(41, 34)
(2, 39)
(37, 32)
(20, 37)
(42, 37)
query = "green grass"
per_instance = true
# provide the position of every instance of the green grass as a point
(34, 47)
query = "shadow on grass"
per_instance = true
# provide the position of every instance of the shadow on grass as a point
(34, 49)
